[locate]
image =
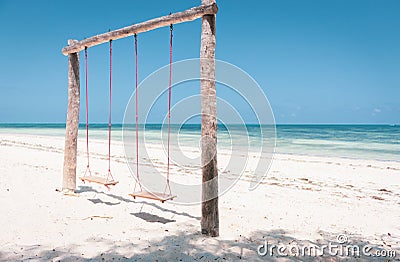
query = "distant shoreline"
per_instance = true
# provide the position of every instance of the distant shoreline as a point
(82, 124)
(371, 142)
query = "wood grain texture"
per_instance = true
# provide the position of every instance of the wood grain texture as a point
(210, 217)
(153, 195)
(176, 18)
(99, 180)
(71, 130)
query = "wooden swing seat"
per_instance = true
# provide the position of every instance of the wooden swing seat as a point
(98, 180)
(152, 195)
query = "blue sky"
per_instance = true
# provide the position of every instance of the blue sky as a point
(317, 61)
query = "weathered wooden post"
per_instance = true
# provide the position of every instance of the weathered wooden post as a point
(209, 208)
(71, 135)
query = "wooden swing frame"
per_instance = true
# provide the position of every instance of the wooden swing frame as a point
(207, 11)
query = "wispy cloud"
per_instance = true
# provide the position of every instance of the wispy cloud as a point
(376, 111)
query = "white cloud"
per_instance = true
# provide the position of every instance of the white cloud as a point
(377, 110)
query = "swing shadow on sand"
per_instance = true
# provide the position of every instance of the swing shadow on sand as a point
(99, 201)
(83, 189)
(152, 218)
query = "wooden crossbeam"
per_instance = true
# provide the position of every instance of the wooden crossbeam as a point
(176, 18)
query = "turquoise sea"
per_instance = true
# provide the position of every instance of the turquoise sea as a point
(379, 142)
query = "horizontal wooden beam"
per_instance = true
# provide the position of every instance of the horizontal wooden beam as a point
(176, 18)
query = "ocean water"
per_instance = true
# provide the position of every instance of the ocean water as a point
(379, 142)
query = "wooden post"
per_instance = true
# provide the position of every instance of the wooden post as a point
(209, 207)
(71, 135)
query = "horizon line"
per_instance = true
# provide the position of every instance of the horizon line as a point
(104, 123)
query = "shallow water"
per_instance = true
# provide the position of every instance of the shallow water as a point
(379, 142)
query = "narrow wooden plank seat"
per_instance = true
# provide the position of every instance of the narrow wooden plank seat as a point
(152, 195)
(99, 180)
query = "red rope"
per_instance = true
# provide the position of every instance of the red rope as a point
(109, 118)
(87, 111)
(137, 110)
(137, 115)
(169, 107)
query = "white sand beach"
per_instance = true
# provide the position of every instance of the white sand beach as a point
(303, 200)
